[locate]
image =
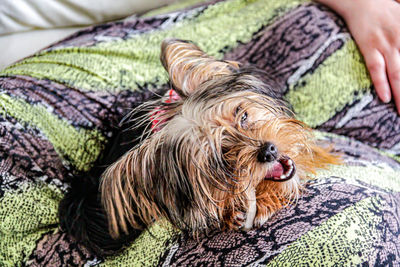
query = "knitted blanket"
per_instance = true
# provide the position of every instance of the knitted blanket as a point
(59, 107)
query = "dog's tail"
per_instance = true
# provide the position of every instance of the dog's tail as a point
(82, 217)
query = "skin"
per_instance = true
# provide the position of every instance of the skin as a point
(375, 26)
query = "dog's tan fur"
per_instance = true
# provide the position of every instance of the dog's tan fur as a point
(200, 170)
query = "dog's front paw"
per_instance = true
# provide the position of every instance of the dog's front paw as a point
(264, 212)
(239, 221)
(261, 218)
(235, 221)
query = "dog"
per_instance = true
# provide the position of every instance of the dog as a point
(222, 150)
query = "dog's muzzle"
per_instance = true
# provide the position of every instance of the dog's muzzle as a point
(281, 169)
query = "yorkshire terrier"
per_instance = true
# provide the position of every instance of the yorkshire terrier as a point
(223, 151)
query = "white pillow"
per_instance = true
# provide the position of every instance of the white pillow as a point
(22, 44)
(23, 15)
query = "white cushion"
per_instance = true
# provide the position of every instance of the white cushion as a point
(22, 44)
(24, 15)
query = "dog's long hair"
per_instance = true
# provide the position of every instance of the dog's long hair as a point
(227, 153)
(199, 168)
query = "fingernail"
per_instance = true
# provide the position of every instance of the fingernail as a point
(386, 97)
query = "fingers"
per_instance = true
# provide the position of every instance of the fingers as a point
(377, 69)
(385, 74)
(393, 72)
(377, 34)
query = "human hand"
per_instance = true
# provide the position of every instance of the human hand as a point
(375, 26)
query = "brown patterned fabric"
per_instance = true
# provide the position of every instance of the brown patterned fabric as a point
(59, 108)
(56, 249)
(281, 48)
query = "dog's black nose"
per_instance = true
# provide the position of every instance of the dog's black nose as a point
(268, 153)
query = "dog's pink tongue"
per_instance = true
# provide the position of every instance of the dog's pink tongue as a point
(276, 171)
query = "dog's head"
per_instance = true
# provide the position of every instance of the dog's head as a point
(227, 140)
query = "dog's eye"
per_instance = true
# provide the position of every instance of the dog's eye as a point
(243, 120)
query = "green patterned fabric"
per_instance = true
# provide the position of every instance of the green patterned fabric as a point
(59, 107)
(356, 227)
(307, 94)
(133, 62)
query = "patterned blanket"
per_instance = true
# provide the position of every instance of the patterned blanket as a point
(59, 107)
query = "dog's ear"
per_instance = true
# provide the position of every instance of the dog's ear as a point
(188, 66)
(123, 195)
(167, 176)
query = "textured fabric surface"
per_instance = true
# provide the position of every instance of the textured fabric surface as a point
(59, 107)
